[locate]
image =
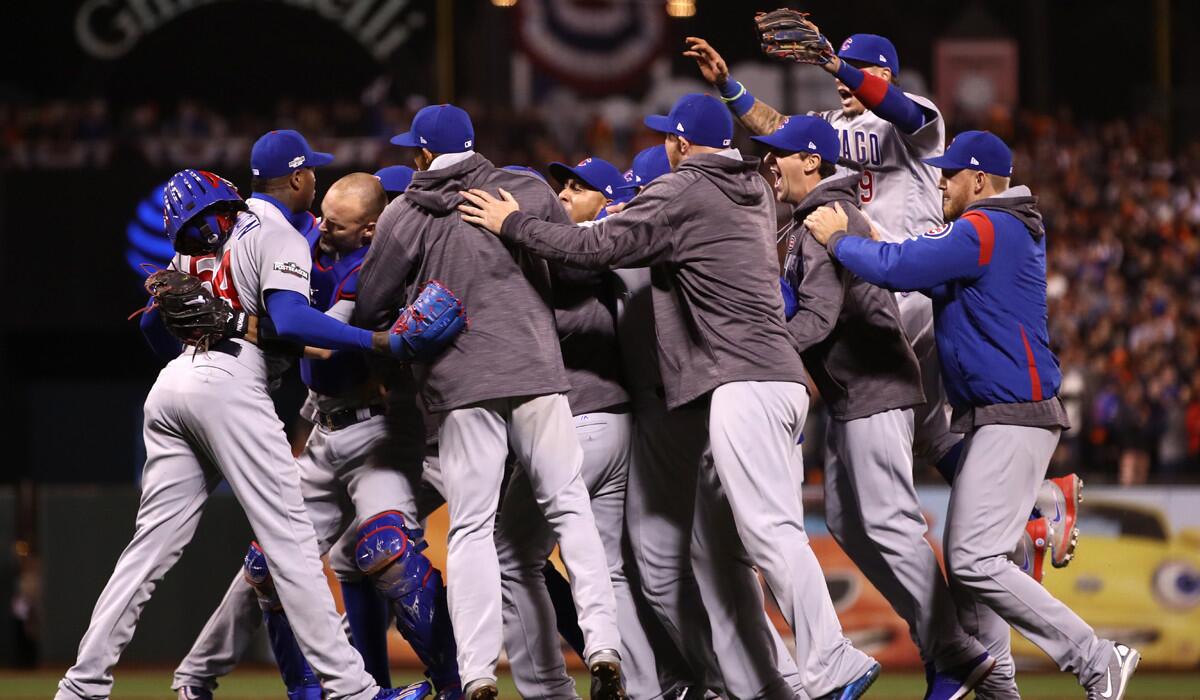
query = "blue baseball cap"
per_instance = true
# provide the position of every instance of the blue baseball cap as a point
(441, 129)
(596, 173)
(975, 150)
(648, 165)
(279, 153)
(701, 119)
(526, 169)
(805, 134)
(871, 48)
(395, 178)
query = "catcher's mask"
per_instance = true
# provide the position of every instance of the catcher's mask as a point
(199, 210)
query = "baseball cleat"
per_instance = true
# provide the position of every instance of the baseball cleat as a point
(1030, 554)
(956, 682)
(416, 691)
(1115, 681)
(1062, 510)
(605, 666)
(482, 689)
(856, 688)
(194, 692)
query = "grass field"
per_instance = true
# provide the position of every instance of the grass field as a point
(263, 683)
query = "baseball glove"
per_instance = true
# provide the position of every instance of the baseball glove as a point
(429, 324)
(191, 312)
(788, 33)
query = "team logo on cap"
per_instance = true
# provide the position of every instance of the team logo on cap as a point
(846, 44)
(608, 189)
(467, 143)
(679, 126)
(973, 161)
(584, 162)
(725, 142)
(422, 139)
(812, 145)
(882, 58)
(254, 171)
(783, 123)
(296, 162)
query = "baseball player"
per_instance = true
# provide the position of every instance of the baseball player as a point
(986, 274)
(603, 423)
(850, 337)
(340, 467)
(209, 416)
(721, 342)
(888, 132)
(498, 387)
(668, 452)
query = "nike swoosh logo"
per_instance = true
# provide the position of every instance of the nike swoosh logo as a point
(1107, 691)
(1057, 512)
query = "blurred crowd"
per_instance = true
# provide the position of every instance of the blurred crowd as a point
(1122, 206)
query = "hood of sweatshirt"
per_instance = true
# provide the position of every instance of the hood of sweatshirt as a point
(836, 188)
(437, 191)
(736, 179)
(1019, 202)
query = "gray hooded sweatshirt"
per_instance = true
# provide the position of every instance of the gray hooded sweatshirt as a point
(509, 347)
(708, 232)
(848, 331)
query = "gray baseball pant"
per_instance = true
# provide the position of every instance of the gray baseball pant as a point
(660, 517)
(932, 438)
(872, 511)
(754, 428)
(474, 445)
(995, 489)
(341, 481)
(216, 406)
(523, 541)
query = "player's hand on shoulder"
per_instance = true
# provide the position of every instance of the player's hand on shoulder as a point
(711, 65)
(824, 221)
(484, 210)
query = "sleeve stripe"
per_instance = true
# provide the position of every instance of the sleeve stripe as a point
(987, 235)
(872, 91)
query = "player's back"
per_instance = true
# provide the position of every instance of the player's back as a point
(897, 190)
(507, 349)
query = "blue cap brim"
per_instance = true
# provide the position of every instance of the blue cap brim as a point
(318, 159)
(944, 163)
(408, 139)
(776, 141)
(562, 172)
(660, 123)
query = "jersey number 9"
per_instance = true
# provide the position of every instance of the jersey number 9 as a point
(866, 187)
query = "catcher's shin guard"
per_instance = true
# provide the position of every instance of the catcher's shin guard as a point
(366, 611)
(391, 554)
(298, 677)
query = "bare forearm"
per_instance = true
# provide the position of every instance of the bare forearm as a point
(761, 119)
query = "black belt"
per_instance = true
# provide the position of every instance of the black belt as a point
(226, 346)
(336, 420)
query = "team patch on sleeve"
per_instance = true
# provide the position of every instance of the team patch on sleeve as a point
(939, 232)
(291, 268)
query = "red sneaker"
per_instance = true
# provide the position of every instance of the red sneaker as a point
(1058, 500)
(1030, 554)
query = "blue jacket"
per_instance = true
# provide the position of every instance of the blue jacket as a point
(986, 274)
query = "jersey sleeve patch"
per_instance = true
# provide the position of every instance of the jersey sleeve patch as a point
(291, 268)
(987, 234)
(939, 232)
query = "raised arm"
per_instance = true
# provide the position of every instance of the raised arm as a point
(757, 116)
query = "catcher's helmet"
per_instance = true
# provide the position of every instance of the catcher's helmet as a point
(198, 210)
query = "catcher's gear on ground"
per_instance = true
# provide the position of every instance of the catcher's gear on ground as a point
(191, 312)
(429, 324)
(788, 33)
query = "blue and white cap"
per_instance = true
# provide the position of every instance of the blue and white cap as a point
(282, 152)
(975, 150)
(701, 119)
(597, 173)
(439, 128)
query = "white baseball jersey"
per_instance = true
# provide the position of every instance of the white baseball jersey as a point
(264, 251)
(897, 190)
